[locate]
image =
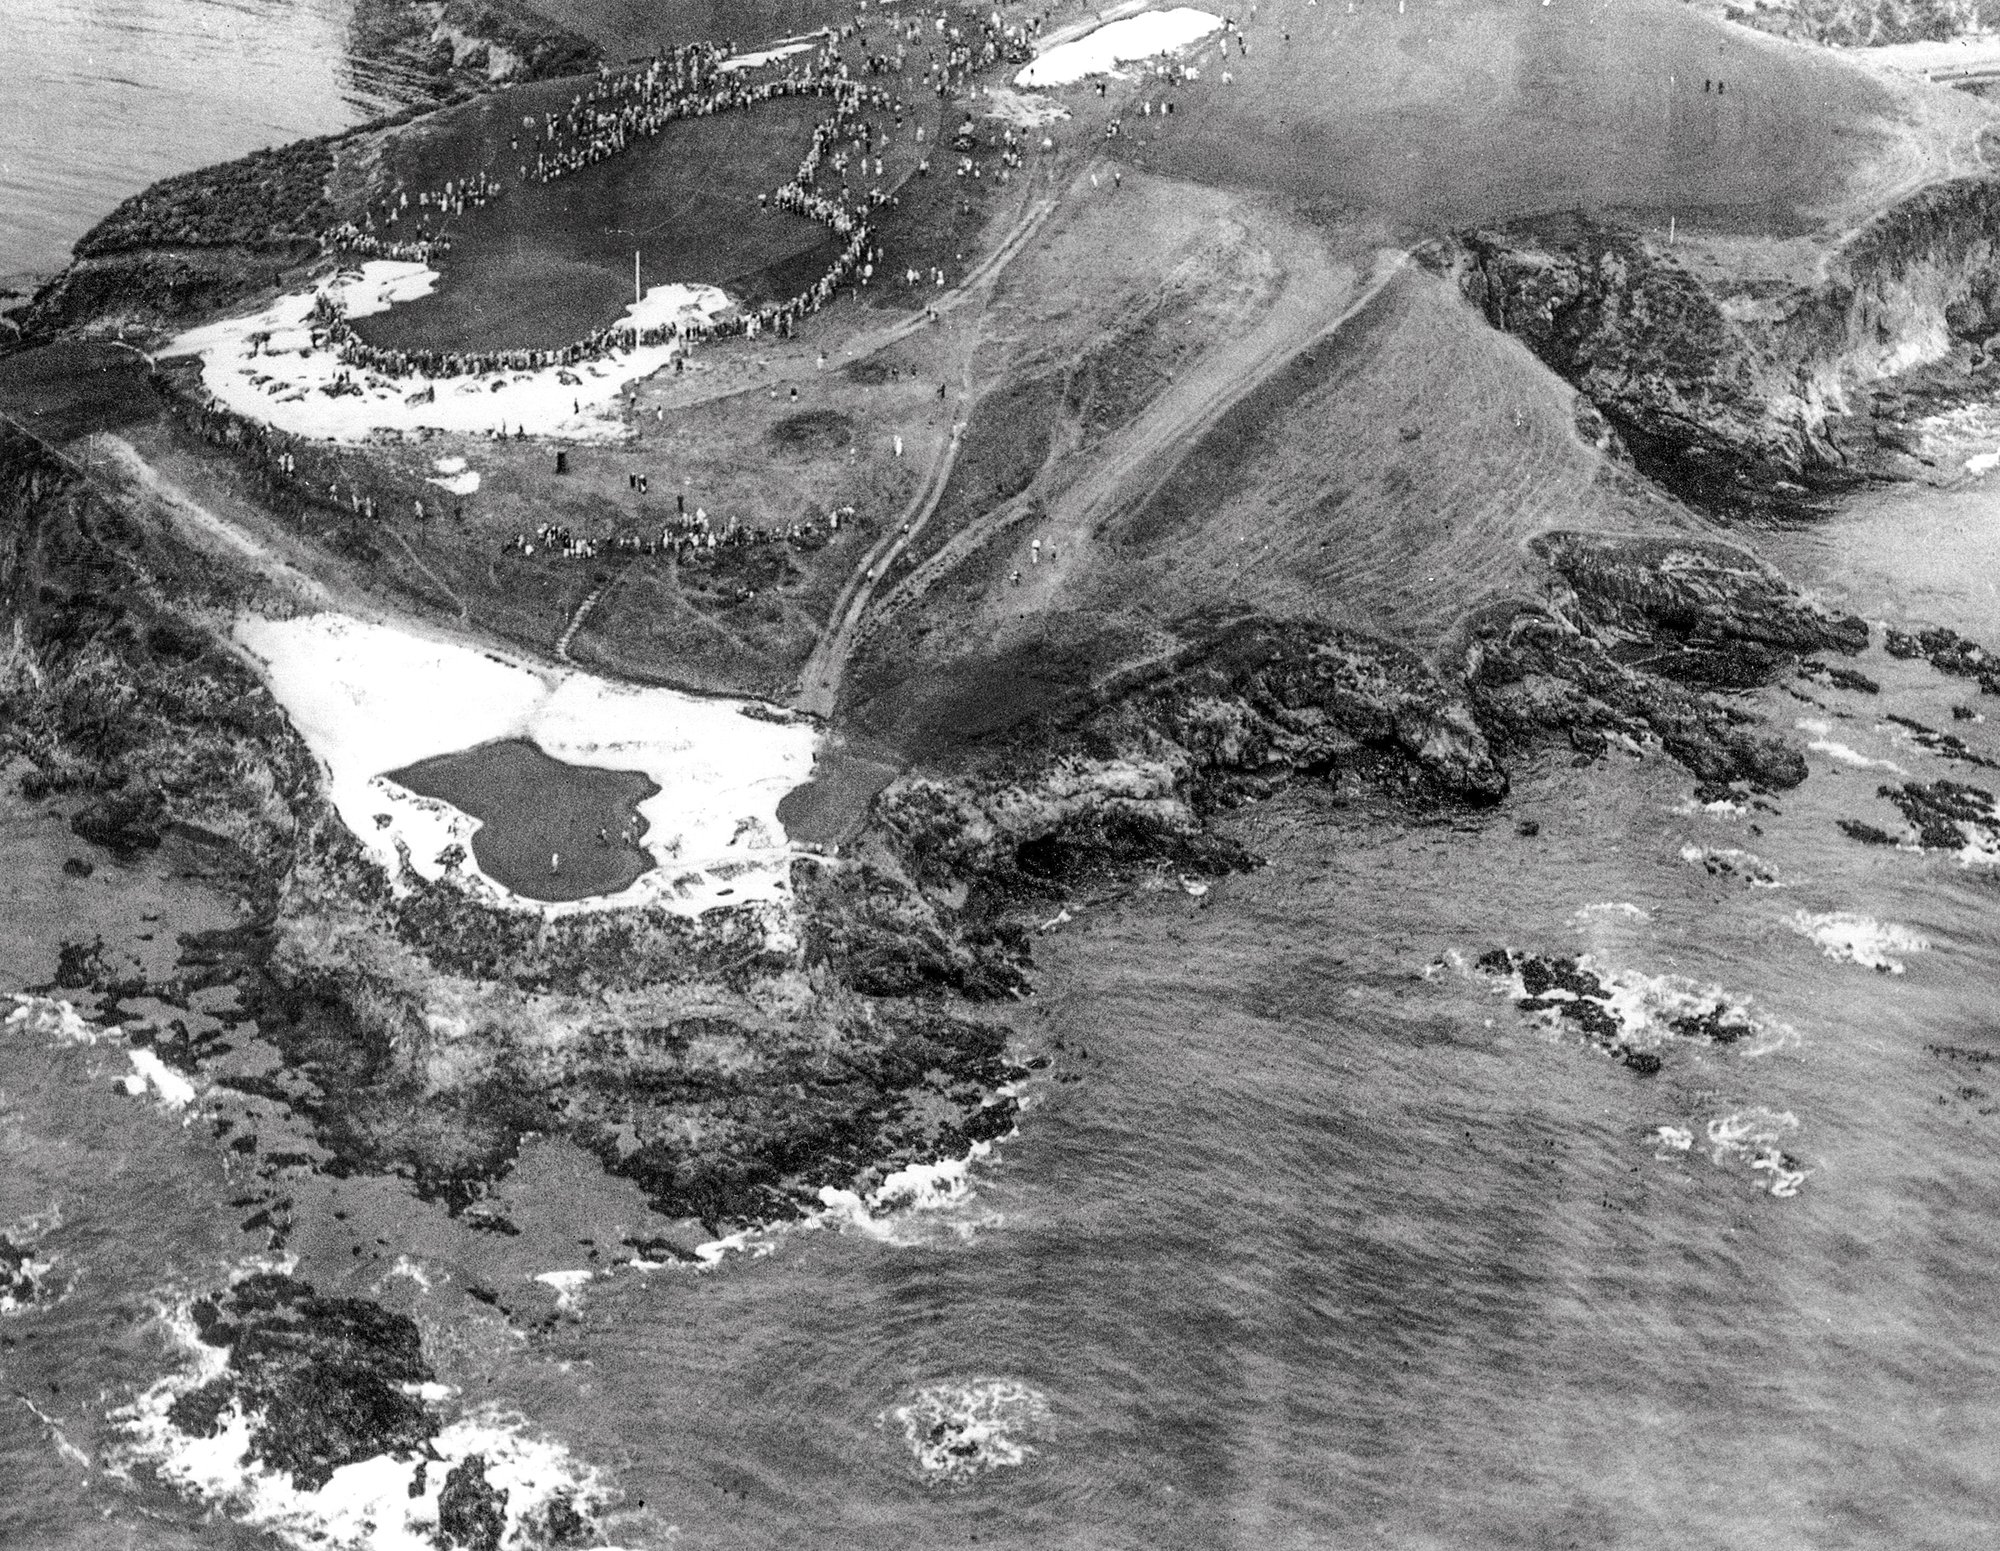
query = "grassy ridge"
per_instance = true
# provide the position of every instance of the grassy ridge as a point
(270, 198)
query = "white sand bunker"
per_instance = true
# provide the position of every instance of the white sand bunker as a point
(269, 368)
(454, 476)
(371, 698)
(1117, 43)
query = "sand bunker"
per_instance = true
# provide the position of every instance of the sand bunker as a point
(776, 52)
(268, 367)
(1117, 43)
(371, 698)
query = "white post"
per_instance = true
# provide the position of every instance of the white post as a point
(638, 296)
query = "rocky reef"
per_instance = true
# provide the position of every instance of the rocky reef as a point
(331, 1380)
(1135, 776)
(1631, 1018)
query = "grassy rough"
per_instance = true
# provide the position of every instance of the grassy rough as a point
(268, 199)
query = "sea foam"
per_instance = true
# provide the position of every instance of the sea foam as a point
(1627, 1013)
(382, 1503)
(1858, 939)
(963, 1429)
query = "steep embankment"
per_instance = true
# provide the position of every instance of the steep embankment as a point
(1730, 378)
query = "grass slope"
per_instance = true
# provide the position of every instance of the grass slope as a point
(1452, 115)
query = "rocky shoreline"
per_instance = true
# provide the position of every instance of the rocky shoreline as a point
(752, 1066)
(1766, 385)
(804, 1065)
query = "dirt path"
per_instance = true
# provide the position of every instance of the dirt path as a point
(114, 462)
(1133, 466)
(1131, 470)
(432, 577)
(820, 678)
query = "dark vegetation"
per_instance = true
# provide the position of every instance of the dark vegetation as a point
(1574, 996)
(1862, 23)
(271, 199)
(411, 40)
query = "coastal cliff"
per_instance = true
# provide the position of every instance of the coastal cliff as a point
(1729, 385)
(1642, 640)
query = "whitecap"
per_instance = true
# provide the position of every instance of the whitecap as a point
(568, 1286)
(50, 1018)
(149, 1071)
(1858, 939)
(1591, 913)
(382, 1503)
(1824, 744)
(962, 1429)
(1751, 1137)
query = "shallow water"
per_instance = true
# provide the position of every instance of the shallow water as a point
(105, 97)
(548, 830)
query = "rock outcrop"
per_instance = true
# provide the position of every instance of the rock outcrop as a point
(732, 1066)
(1741, 386)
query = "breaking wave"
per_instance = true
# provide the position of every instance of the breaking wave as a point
(486, 1475)
(1629, 1015)
(26, 1274)
(1747, 1137)
(957, 1431)
(1859, 939)
(55, 1021)
(918, 1203)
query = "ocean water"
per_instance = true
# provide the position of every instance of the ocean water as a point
(1309, 1237)
(102, 98)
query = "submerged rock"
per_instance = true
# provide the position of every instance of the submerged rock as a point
(1629, 1017)
(1947, 815)
(472, 1513)
(1838, 677)
(1948, 652)
(1946, 744)
(328, 1379)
